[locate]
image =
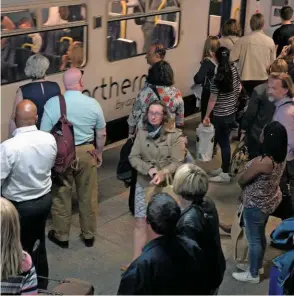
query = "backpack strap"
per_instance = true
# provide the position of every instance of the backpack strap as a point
(153, 87)
(288, 102)
(62, 105)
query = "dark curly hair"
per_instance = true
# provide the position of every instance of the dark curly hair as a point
(275, 141)
(161, 74)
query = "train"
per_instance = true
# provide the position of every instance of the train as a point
(113, 35)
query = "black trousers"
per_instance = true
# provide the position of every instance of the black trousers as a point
(33, 215)
(223, 127)
(249, 85)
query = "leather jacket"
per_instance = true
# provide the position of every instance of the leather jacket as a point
(200, 223)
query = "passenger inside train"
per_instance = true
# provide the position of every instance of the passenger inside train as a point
(58, 139)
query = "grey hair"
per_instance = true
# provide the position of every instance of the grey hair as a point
(37, 66)
(190, 182)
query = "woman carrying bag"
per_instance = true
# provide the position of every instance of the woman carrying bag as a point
(261, 195)
(157, 153)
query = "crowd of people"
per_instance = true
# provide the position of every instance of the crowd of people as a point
(176, 246)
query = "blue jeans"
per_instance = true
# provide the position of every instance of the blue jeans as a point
(255, 222)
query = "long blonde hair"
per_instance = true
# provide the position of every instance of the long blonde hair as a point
(11, 249)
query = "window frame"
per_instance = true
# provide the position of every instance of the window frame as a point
(41, 28)
(134, 16)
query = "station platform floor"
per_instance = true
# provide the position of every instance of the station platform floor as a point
(100, 264)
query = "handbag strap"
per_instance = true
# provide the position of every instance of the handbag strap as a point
(62, 105)
(243, 88)
(153, 87)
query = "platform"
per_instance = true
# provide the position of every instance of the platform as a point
(100, 264)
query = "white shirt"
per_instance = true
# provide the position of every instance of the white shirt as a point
(26, 162)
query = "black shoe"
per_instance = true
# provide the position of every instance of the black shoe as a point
(53, 239)
(89, 242)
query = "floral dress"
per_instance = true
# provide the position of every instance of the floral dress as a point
(170, 95)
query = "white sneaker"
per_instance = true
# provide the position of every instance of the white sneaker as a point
(221, 178)
(245, 267)
(216, 172)
(246, 277)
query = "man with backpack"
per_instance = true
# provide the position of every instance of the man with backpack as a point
(79, 128)
(26, 162)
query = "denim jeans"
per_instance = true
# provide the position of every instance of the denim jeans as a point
(222, 126)
(255, 222)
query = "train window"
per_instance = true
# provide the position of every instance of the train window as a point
(20, 19)
(120, 8)
(130, 37)
(62, 47)
(61, 15)
(160, 5)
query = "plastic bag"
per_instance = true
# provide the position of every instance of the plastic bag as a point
(204, 142)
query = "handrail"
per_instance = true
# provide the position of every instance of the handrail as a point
(236, 13)
(162, 4)
(123, 26)
(32, 46)
(69, 39)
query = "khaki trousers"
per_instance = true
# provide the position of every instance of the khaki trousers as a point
(85, 178)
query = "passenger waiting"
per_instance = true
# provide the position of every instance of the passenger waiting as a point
(255, 53)
(159, 86)
(199, 218)
(286, 30)
(18, 274)
(261, 196)
(169, 264)
(156, 154)
(25, 23)
(281, 92)
(87, 117)
(155, 53)
(231, 33)
(225, 90)
(74, 57)
(260, 112)
(206, 72)
(39, 91)
(26, 163)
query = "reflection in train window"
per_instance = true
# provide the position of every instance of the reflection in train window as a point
(64, 48)
(61, 15)
(220, 11)
(20, 19)
(128, 38)
(117, 7)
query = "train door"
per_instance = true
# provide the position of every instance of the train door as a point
(222, 10)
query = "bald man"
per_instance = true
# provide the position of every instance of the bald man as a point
(26, 162)
(88, 121)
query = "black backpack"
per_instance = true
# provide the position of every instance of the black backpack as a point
(124, 168)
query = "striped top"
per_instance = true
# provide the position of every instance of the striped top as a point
(24, 283)
(226, 103)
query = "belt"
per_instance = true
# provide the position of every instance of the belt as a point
(86, 143)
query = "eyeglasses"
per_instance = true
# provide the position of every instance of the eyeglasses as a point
(156, 114)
